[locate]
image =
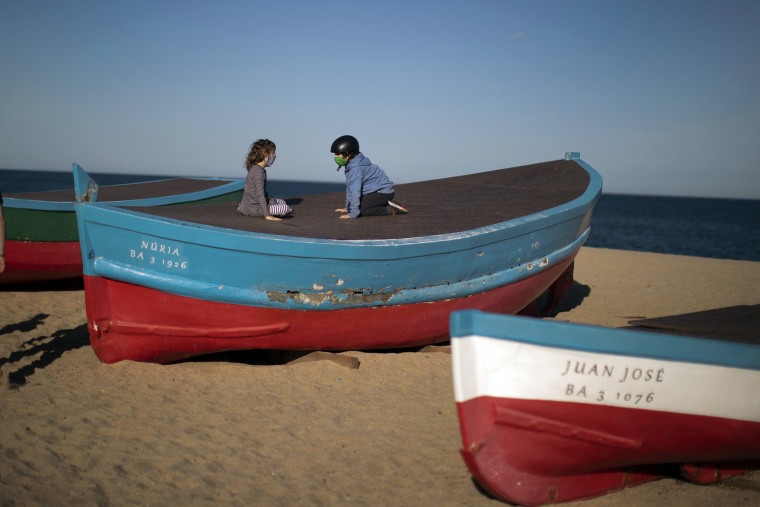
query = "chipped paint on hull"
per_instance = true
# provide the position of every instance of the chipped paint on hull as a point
(343, 298)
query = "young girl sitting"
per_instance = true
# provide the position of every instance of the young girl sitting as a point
(256, 201)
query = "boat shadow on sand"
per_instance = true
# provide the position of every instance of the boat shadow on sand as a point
(40, 352)
(576, 294)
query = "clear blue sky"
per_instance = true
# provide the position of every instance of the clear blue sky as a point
(661, 97)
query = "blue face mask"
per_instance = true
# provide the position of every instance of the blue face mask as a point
(270, 159)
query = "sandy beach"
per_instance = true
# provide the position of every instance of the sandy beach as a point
(265, 428)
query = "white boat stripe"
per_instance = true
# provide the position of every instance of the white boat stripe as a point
(501, 368)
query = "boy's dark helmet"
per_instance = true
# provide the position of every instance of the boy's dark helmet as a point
(345, 144)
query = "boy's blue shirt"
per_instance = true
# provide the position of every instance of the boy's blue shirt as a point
(362, 178)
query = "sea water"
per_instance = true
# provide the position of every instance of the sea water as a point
(717, 228)
(702, 227)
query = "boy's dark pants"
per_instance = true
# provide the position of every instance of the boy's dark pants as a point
(374, 204)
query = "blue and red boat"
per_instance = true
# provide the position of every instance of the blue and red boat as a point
(167, 283)
(551, 411)
(41, 238)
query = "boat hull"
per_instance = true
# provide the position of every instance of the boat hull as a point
(566, 416)
(41, 261)
(567, 451)
(132, 322)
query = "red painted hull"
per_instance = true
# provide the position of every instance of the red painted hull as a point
(130, 322)
(36, 261)
(534, 452)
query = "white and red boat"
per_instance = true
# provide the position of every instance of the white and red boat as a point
(552, 411)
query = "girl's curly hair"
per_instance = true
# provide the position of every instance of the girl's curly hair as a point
(259, 150)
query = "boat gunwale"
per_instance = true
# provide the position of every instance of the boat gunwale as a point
(111, 214)
(232, 185)
(597, 340)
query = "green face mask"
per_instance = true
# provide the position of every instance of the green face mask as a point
(340, 161)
